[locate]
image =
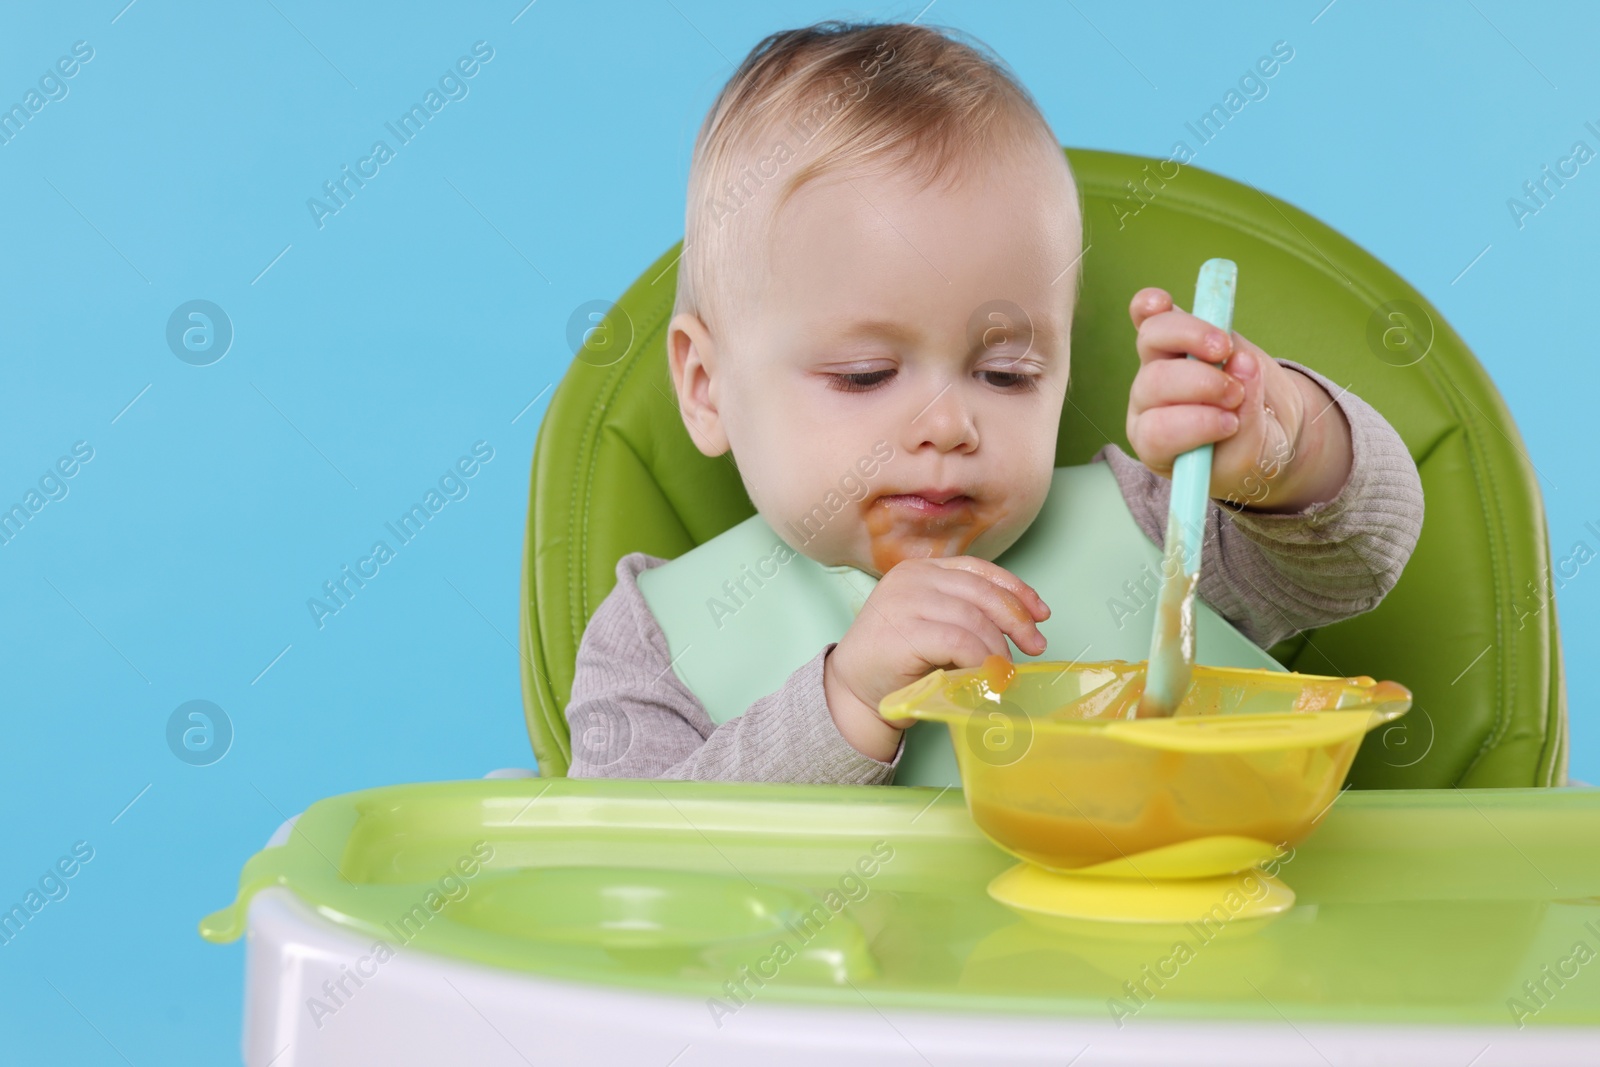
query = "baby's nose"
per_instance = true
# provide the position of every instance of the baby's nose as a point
(944, 423)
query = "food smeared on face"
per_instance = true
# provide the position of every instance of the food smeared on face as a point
(927, 524)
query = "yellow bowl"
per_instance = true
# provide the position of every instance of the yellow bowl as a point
(1055, 774)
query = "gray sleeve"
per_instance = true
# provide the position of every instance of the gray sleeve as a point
(1273, 575)
(630, 715)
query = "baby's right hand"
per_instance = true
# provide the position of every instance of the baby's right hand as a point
(953, 611)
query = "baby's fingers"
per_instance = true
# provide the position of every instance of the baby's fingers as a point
(1024, 594)
(997, 605)
(1183, 381)
(1161, 434)
(1175, 334)
(964, 634)
(1146, 302)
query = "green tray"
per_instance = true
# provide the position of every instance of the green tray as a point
(1414, 906)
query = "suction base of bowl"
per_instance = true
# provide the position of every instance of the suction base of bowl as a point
(1035, 891)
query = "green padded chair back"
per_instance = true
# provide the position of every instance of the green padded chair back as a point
(614, 471)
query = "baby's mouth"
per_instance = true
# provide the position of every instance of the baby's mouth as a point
(929, 505)
(928, 522)
(917, 506)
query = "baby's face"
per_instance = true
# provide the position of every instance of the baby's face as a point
(895, 388)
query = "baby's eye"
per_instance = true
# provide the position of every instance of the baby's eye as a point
(1011, 381)
(859, 383)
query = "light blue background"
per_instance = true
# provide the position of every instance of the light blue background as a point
(430, 312)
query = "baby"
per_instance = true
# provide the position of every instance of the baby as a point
(859, 194)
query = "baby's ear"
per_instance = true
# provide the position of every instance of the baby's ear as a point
(691, 360)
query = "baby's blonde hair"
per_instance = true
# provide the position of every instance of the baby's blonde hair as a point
(874, 97)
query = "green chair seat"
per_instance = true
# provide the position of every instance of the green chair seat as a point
(614, 471)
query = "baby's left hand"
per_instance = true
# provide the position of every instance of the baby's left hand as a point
(1280, 442)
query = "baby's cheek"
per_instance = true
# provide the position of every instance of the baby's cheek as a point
(1013, 515)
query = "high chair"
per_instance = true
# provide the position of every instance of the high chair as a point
(559, 920)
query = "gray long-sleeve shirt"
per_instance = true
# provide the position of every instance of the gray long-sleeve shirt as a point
(1270, 575)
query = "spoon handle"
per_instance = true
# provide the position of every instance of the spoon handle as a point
(1191, 471)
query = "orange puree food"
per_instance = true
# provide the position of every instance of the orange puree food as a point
(1064, 842)
(997, 672)
(899, 532)
(1082, 795)
(1089, 800)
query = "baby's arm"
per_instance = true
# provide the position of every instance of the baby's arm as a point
(1275, 574)
(632, 717)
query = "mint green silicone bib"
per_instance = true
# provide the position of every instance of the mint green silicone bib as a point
(743, 610)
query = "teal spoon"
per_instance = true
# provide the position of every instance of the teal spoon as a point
(1172, 645)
